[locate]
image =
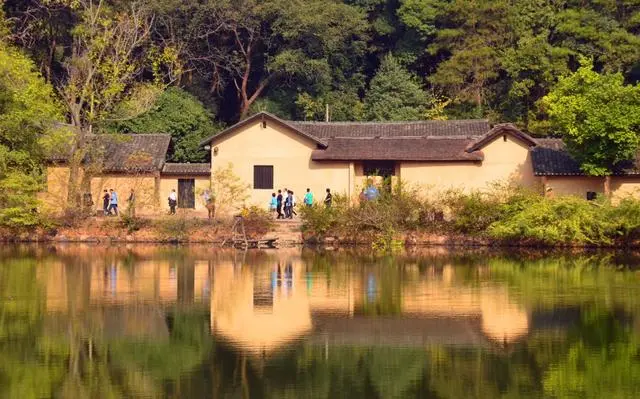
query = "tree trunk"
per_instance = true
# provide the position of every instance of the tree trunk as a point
(607, 186)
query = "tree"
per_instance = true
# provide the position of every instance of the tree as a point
(229, 192)
(395, 94)
(109, 53)
(28, 115)
(598, 116)
(180, 114)
(245, 46)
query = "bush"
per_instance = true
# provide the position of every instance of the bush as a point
(177, 227)
(563, 220)
(133, 223)
(257, 221)
(472, 213)
(627, 218)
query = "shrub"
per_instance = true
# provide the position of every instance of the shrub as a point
(319, 219)
(472, 213)
(563, 220)
(627, 218)
(257, 221)
(177, 227)
(133, 223)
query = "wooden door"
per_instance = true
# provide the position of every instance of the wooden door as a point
(186, 193)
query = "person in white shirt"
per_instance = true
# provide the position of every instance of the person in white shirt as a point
(173, 201)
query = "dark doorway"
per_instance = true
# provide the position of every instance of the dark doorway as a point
(186, 193)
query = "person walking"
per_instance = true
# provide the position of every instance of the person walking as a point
(293, 204)
(279, 205)
(328, 199)
(106, 200)
(173, 201)
(113, 202)
(308, 198)
(132, 203)
(209, 204)
(273, 203)
(288, 205)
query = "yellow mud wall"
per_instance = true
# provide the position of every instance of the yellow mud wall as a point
(504, 161)
(168, 183)
(574, 185)
(623, 187)
(290, 155)
(144, 186)
(55, 196)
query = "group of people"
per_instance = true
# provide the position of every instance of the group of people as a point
(284, 202)
(110, 202)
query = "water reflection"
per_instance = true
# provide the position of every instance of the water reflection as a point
(145, 321)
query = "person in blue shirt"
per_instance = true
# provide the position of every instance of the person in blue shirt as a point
(371, 193)
(114, 202)
(273, 204)
(308, 198)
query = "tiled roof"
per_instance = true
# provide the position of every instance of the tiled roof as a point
(126, 153)
(264, 117)
(463, 128)
(397, 149)
(499, 130)
(186, 169)
(551, 158)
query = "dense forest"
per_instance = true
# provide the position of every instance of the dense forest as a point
(73, 68)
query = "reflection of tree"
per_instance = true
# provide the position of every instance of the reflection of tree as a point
(602, 361)
(68, 355)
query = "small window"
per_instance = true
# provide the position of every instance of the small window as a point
(379, 168)
(263, 177)
(591, 195)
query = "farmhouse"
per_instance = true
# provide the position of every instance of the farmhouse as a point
(269, 153)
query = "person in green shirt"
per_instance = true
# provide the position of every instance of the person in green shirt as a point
(308, 198)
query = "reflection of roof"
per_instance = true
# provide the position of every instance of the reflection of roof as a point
(405, 331)
(186, 169)
(126, 153)
(551, 158)
(398, 149)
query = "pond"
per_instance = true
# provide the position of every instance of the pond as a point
(82, 321)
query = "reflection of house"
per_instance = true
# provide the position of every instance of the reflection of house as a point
(126, 162)
(255, 310)
(107, 283)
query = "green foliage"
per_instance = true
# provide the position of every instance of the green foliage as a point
(177, 227)
(395, 94)
(257, 221)
(180, 114)
(565, 220)
(599, 117)
(28, 113)
(133, 223)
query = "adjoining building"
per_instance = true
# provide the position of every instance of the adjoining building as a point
(126, 162)
(269, 153)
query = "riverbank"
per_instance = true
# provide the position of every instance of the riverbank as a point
(197, 230)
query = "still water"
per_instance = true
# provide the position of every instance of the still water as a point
(150, 321)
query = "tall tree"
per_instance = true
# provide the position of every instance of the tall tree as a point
(108, 55)
(180, 114)
(599, 117)
(28, 115)
(245, 46)
(395, 94)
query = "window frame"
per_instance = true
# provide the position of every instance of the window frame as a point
(258, 183)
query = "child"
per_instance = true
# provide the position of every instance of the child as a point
(273, 204)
